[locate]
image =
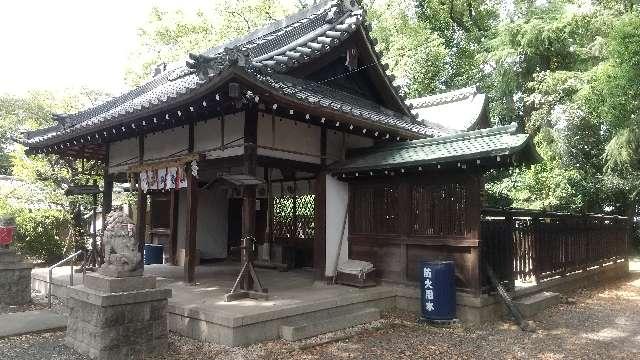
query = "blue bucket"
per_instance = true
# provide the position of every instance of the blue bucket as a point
(153, 254)
(438, 290)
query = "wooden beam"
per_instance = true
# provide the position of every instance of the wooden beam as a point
(142, 206)
(320, 214)
(107, 195)
(191, 144)
(320, 219)
(269, 228)
(249, 192)
(191, 228)
(161, 164)
(107, 199)
(173, 227)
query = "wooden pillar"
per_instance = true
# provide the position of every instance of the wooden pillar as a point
(320, 213)
(294, 225)
(107, 198)
(249, 192)
(405, 188)
(191, 228)
(269, 227)
(472, 231)
(173, 227)
(192, 217)
(107, 189)
(142, 205)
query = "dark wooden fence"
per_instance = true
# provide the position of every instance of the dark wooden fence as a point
(528, 244)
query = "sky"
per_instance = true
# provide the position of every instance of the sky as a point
(60, 44)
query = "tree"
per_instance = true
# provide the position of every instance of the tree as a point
(614, 97)
(168, 37)
(416, 55)
(52, 173)
(464, 28)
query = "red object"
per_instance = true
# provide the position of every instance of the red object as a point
(6, 234)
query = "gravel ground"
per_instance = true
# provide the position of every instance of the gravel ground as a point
(602, 323)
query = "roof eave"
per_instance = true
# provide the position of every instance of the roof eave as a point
(525, 151)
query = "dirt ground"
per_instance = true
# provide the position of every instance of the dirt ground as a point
(602, 323)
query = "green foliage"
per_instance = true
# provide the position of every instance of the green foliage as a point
(463, 27)
(283, 206)
(423, 71)
(44, 178)
(40, 233)
(169, 36)
(562, 71)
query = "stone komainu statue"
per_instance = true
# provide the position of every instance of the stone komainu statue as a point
(122, 257)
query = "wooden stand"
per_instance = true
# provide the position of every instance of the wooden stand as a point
(247, 276)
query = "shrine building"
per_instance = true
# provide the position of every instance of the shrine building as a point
(295, 139)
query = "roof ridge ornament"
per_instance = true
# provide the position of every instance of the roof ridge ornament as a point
(335, 12)
(206, 66)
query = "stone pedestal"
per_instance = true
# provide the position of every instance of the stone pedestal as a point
(15, 278)
(117, 318)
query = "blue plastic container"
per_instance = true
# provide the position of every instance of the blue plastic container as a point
(438, 290)
(153, 254)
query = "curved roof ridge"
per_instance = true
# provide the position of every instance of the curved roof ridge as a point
(444, 97)
(118, 100)
(506, 129)
(272, 27)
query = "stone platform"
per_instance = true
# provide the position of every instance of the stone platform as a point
(15, 278)
(117, 318)
(295, 302)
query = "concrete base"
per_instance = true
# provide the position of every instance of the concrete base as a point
(296, 302)
(120, 273)
(30, 322)
(534, 304)
(130, 323)
(478, 310)
(469, 309)
(236, 329)
(15, 278)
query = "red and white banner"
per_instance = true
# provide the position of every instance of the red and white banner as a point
(163, 179)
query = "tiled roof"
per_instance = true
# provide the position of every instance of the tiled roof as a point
(456, 110)
(316, 94)
(499, 141)
(274, 49)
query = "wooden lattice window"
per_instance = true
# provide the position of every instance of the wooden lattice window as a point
(438, 209)
(293, 217)
(374, 209)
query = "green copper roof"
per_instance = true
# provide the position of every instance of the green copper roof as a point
(472, 145)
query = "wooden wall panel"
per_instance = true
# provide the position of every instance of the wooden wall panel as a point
(396, 223)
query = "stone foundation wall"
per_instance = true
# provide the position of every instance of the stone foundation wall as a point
(15, 278)
(117, 332)
(207, 327)
(487, 308)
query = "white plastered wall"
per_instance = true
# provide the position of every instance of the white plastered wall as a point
(337, 195)
(338, 143)
(288, 139)
(209, 136)
(122, 154)
(169, 143)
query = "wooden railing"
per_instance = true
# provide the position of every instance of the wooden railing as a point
(529, 244)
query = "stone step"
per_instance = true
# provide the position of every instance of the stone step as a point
(29, 322)
(533, 304)
(303, 331)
